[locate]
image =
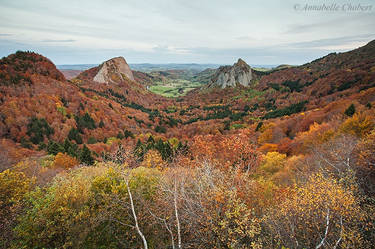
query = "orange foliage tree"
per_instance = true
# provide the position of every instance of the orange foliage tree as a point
(63, 160)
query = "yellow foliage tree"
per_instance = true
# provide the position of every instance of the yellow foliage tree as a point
(153, 159)
(358, 125)
(13, 187)
(319, 214)
(272, 162)
(236, 227)
(267, 133)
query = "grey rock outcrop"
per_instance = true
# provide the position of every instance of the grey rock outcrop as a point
(240, 73)
(114, 70)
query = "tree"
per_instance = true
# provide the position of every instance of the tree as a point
(54, 148)
(365, 162)
(359, 125)
(160, 129)
(74, 135)
(65, 161)
(320, 213)
(153, 159)
(85, 156)
(272, 162)
(85, 121)
(37, 129)
(350, 110)
(128, 133)
(58, 216)
(101, 124)
(14, 185)
(145, 245)
(120, 135)
(236, 226)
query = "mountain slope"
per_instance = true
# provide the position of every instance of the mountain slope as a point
(42, 100)
(294, 98)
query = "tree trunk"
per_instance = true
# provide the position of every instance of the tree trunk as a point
(135, 217)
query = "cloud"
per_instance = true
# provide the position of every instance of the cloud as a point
(338, 43)
(165, 31)
(52, 40)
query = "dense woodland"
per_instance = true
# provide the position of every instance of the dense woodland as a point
(285, 163)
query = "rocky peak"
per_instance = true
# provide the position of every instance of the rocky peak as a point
(114, 71)
(241, 62)
(240, 73)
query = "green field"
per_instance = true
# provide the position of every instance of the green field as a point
(174, 87)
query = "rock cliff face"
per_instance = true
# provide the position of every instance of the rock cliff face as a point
(114, 70)
(240, 73)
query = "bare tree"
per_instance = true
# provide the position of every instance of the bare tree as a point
(135, 216)
(120, 157)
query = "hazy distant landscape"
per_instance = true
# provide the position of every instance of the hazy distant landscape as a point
(170, 80)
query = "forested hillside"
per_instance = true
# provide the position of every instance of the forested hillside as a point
(286, 161)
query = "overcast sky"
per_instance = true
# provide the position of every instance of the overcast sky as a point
(184, 31)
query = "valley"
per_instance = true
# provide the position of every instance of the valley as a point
(227, 139)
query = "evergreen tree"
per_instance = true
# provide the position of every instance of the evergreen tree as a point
(85, 121)
(54, 148)
(150, 140)
(160, 129)
(128, 133)
(85, 156)
(259, 125)
(92, 140)
(350, 111)
(74, 135)
(120, 135)
(37, 129)
(101, 124)
(71, 148)
(139, 150)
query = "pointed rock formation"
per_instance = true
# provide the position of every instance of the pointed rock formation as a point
(114, 70)
(240, 73)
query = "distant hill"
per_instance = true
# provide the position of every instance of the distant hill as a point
(70, 74)
(148, 67)
(76, 66)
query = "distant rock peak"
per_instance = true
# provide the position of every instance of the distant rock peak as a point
(113, 71)
(229, 76)
(241, 62)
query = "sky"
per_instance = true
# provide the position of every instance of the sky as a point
(185, 31)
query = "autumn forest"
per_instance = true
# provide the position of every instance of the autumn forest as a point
(283, 160)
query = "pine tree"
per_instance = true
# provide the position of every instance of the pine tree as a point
(101, 124)
(350, 111)
(128, 133)
(85, 156)
(139, 150)
(54, 148)
(70, 148)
